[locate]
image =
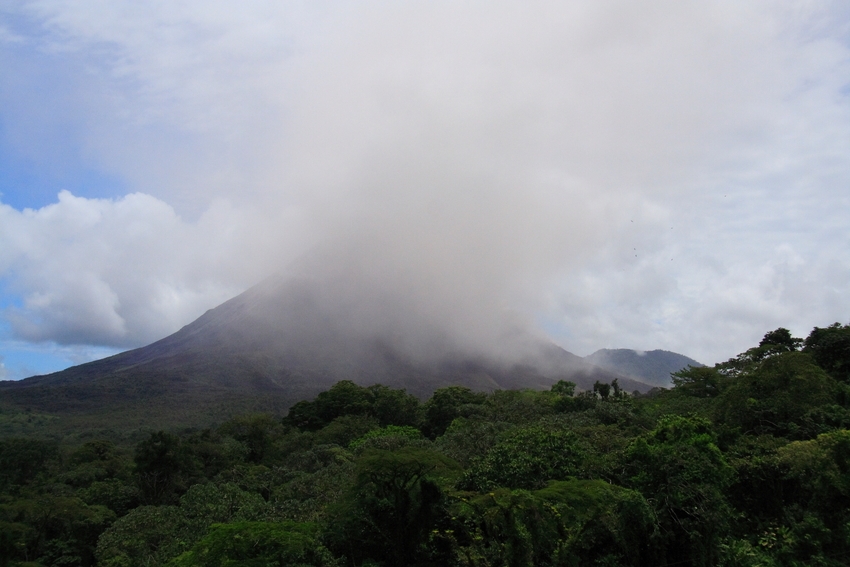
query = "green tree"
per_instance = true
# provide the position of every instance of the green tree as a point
(778, 396)
(258, 544)
(447, 404)
(147, 536)
(343, 398)
(615, 387)
(527, 457)
(600, 523)
(518, 406)
(773, 343)
(817, 496)
(164, 467)
(256, 432)
(679, 468)
(468, 440)
(96, 461)
(395, 407)
(830, 349)
(390, 511)
(387, 405)
(697, 381)
(151, 535)
(602, 390)
(403, 431)
(345, 429)
(504, 528)
(60, 530)
(307, 496)
(570, 522)
(216, 451)
(13, 542)
(564, 388)
(758, 489)
(566, 401)
(23, 460)
(780, 340)
(304, 416)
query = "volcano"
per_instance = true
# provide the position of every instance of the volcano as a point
(273, 345)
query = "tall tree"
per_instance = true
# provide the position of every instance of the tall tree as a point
(679, 468)
(388, 514)
(830, 348)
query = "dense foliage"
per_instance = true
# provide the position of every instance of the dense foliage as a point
(743, 464)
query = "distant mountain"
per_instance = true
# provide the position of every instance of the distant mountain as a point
(264, 350)
(652, 367)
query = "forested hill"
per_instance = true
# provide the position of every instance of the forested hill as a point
(652, 367)
(743, 464)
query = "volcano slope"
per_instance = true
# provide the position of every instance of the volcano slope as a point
(262, 351)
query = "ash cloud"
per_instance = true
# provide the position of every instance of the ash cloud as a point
(587, 171)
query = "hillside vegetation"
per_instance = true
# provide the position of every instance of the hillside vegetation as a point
(746, 463)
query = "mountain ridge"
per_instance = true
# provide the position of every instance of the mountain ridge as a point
(651, 367)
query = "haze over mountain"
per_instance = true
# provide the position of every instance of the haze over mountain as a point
(673, 177)
(652, 367)
(283, 341)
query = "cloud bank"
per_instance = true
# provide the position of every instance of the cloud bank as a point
(668, 175)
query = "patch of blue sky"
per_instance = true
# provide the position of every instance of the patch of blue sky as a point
(21, 359)
(20, 24)
(25, 183)
(45, 97)
(8, 299)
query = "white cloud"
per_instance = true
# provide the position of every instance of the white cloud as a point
(471, 157)
(128, 271)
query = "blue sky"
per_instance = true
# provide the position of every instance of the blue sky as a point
(666, 176)
(17, 172)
